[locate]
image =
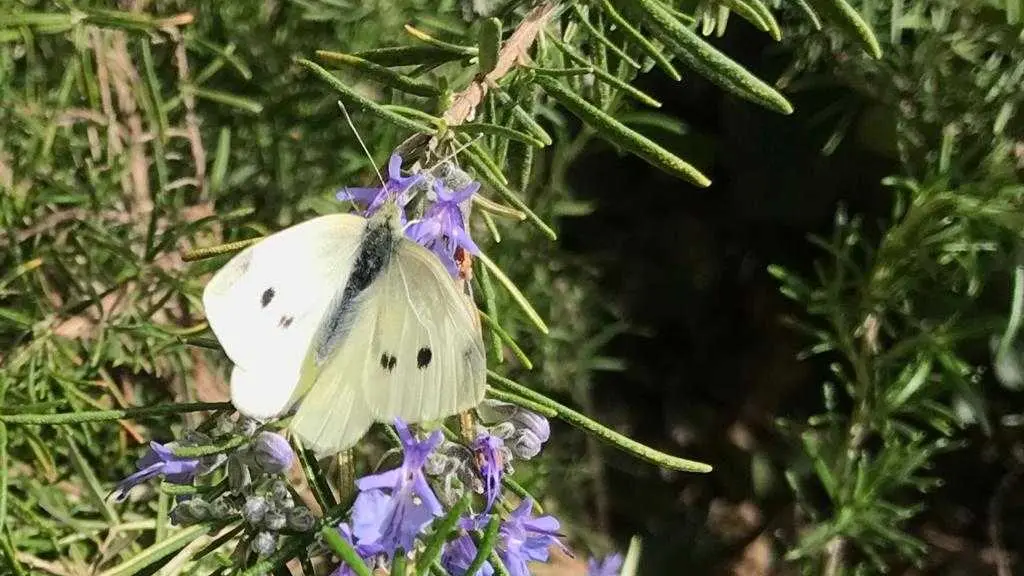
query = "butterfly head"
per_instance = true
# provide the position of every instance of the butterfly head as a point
(390, 213)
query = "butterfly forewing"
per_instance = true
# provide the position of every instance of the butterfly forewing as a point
(266, 303)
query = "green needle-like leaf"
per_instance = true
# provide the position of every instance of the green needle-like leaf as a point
(380, 73)
(507, 339)
(636, 36)
(409, 55)
(608, 435)
(711, 63)
(442, 529)
(314, 476)
(488, 40)
(846, 18)
(357, 100)
(506, 396)
(485, 544)
(344, 550)
(498, 130)
(514, 291)
(109, 415)
(440, 44)
(158, 551)
(618, 133)
(597, 35)
(603, 75)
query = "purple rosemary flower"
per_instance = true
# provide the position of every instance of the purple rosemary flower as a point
(459, 554)
(442, 229)
(610, 566)
(159, 461)
(365, 551)
(411, 504)
(272, 453)
(373, 198)
(523, 539)
(488, 449)
(532, 431)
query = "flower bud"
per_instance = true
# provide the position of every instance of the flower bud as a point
(280, 495)
(264, 544)
(222, 508)
(256, 507)
(301, 519)
(272, 453)
(275, 520)
(198, 508)
(533, 422)
(525, 445)
(503, 430)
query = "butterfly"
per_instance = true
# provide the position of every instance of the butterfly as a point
(351, 322)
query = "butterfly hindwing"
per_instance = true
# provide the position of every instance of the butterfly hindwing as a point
(412, 350)
(429, 351)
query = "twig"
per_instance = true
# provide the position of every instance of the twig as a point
(191, 120)
(518, 44)
(114, 145)
(124, 76)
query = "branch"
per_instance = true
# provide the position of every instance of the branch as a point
(512, 53)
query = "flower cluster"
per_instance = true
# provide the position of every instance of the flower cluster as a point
(396, 508)
(256, 493)
(522, 538)
(442, 228)
(509, 433)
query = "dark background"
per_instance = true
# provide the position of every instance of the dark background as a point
(717, 365)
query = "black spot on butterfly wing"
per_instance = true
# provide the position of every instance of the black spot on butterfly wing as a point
(423, 357)
(285, 321)
(387, 362)
(266, 297)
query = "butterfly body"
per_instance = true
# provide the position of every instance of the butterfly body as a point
(351, 322)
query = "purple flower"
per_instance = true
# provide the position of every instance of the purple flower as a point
(410, 505)
(610, 566)
(397, 186)
(272, 453)
(522, 539)
(366, 552)
(442, 229)
(459, 554)
(159, 461)
(488, 452)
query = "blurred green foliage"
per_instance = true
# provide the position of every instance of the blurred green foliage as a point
(132, 133)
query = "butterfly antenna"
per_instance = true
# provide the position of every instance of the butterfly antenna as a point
(361, 143)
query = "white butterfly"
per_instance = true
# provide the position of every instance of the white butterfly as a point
(350, 320)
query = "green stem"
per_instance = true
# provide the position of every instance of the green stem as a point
(344, 550)
(608, 435)
(485, 545)
(106, 415)
(211, 449)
